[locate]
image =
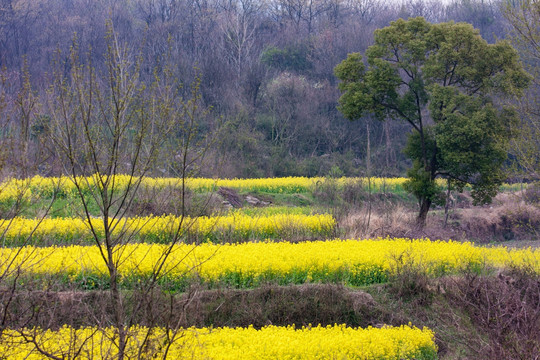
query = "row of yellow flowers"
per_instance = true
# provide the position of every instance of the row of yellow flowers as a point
(235, 227)
(271, 342)
(45, 186)
(353, 262)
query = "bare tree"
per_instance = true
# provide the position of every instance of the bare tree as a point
(524, 17)
(238, 27)
(19, 158)
(109, 124)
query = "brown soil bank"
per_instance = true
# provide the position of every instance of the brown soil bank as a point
(271, 304)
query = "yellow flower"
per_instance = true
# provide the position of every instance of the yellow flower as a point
(350, 261)
(235, 227)
(270, 342)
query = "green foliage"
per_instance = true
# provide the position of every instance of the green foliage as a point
(421, 185)
(355, 94)
(473, 141)
(291, 58)
(443, 80)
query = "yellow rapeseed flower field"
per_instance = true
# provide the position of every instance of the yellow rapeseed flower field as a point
(270, 342)
(235, 227)
(44, 186)
(354, 262)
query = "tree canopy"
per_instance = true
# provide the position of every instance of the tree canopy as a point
(447, 83)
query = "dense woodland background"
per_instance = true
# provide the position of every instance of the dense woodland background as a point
(265, 69)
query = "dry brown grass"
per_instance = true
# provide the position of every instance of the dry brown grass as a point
(509, 217)
(397, 221)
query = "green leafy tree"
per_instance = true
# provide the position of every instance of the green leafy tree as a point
(445, 81)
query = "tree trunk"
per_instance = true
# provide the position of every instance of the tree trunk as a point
(388, 152)
(368, 170)
(425, 204)
(447, 203)
(118, 312)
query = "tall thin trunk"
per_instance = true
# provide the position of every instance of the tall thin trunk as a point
(388, 144)
(118, 311)
(114, 278)
(368, 150)
(447, 203)
(368, 170)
